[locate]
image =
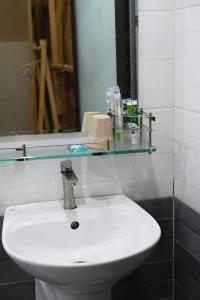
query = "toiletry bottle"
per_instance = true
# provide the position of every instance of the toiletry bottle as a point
(132, 133)
(133, 120)
(125, 111)
(118, 122)
(109, 106)
(132, 110)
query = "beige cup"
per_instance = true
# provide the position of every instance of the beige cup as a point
(87, 119)
(101, 132)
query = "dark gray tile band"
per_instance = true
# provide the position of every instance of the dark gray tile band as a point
(10, 272)
(166, 226)
(158, 208)
(1, 224)
(189, 284)
(3, 254)
(18, 291)
(187, 253)
(153, 291)
(179, 293)
(154, 279)
(148, 273)
(187, 215)
(189, 239)
(163, 251)
(187, 261)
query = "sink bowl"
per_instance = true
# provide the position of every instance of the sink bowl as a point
(79, 253)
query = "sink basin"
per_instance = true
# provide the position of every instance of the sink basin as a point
(110, 238)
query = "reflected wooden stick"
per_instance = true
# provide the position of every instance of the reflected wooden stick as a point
(32, 119)
(63, 68)
(60, 7)
(52, 99)
(53, 31)
(43, 46)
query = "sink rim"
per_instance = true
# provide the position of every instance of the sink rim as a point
(85, 264)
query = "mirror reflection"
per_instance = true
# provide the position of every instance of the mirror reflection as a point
(57, 58)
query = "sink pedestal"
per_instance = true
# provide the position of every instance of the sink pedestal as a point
(46, 291)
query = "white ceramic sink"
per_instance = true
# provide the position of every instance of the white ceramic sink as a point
(114, 237)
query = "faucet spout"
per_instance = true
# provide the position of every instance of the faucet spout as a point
(69, 180)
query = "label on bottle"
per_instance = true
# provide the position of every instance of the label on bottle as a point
(132, 110)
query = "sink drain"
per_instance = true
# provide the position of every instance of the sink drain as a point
(80, 262)
(74, 225)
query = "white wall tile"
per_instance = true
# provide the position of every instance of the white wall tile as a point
(41, 181)
(190, 3)
(164, 120)
(155, 5)
(156, 23)
(156, 87)
(187, 169)
(156, 97)
(187, 72)
(187, 162)
(187, 45)
(150, 189)
(187, 194)
(187, 123)
(156, 47)
(156, 73)
(187, 97)
(180, 4)
(187, 20)
(179, 22)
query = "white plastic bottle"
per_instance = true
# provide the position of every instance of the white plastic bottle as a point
(118, 121)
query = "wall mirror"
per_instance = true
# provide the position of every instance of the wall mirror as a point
(58, 56)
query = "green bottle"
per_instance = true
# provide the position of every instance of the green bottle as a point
(132, 110)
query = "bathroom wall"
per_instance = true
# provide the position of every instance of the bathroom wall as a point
(187, 148)
(141, 176)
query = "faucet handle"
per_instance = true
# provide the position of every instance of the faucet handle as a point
(67, 171)
(66, 166)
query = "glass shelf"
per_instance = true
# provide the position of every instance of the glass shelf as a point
(63, 151)
(40, 149)
(8, 154)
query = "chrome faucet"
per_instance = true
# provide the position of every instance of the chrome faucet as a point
(69, 180)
